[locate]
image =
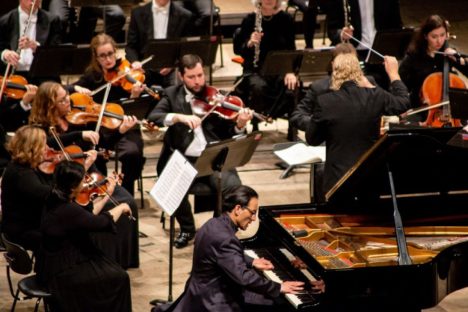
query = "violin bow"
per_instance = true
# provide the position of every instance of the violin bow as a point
(365, 46)
(103, 107)
(120, 76)
(9, 66)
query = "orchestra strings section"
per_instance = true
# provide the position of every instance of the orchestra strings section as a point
(339, 242)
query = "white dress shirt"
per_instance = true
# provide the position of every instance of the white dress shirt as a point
(26, 55)
(160, 20)
(366, 8)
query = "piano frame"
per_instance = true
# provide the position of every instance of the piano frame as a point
(432, 194)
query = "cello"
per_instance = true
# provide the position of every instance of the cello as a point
(435, 90)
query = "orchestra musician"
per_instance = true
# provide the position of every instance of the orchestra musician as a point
(25, 187)
(128, 139)
(158, 19)
(348, 119)
(422, 59)
(189, 134)
(77, 273)
(267, 29)
(14, 113)
(201, 10)
(43, 30)
(221, 272)
(50, 108)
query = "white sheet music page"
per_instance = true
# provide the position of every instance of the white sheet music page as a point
(301, 153)
(174, 182)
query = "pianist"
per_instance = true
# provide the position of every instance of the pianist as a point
(221, 271)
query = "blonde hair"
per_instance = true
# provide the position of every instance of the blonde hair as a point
(345, 68)
(44, 109)
(27, 145)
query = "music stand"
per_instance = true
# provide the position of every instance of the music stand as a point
(226, 155)
(67, 60)
(281, 62)
(458, 99)
(315, 63)
(390, 42)
(139, 107)
(168, 52)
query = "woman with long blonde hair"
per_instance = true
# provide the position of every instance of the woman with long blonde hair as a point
(24, 188)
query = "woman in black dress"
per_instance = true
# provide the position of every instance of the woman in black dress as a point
(422, 58)
(50, 108)
(24, 187)
(104, 61)
(78, 275)
(270, 94)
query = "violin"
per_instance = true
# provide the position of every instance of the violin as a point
(435, 90)
(125, 77)
(85, 110)
(15, 86)
(53, 157)
(227, 106)
(95, 186)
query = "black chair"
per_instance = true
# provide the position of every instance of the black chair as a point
(20, 262)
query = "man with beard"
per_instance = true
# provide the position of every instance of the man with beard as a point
(188, 134)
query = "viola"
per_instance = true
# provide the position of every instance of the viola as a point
(15, 86)
(125, 77)
(226, 106)
(85, 110)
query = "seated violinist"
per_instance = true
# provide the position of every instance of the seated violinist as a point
(176, 111)
(23, 175)
(51, 108)
(129, 143)
(16, 106)
(78, 275)
(424, 58)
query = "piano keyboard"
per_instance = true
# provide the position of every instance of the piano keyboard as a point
(283, 272)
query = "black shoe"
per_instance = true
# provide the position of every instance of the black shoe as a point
(182, 240)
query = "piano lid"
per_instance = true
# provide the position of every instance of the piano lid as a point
(422, 164)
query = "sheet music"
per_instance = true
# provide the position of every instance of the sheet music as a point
(173, 183)
(301, 153)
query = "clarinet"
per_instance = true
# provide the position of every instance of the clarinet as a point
(258, 28)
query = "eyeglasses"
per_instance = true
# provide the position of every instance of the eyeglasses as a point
(103, 56)
(252, 212)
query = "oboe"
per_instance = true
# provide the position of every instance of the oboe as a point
(258, 28)
(346, 10)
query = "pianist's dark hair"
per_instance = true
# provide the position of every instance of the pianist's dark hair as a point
(188, 61)
(238, 195)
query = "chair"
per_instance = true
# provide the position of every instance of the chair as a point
(20, 262)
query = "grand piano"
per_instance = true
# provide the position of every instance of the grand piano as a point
(378, 249)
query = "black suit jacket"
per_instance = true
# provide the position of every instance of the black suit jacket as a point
(140, 30)
(47, 29)
(348, 120)
(178, 135)
(386, 15)
(221, 271)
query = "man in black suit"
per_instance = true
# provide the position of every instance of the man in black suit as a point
(348, 119)
(158, 19)
(221, 272)
(44, 30)
(188, 134)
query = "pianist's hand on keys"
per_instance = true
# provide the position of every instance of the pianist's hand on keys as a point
(292, 287)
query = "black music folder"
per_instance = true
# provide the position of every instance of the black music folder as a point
(60, 60)
(168, 52)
